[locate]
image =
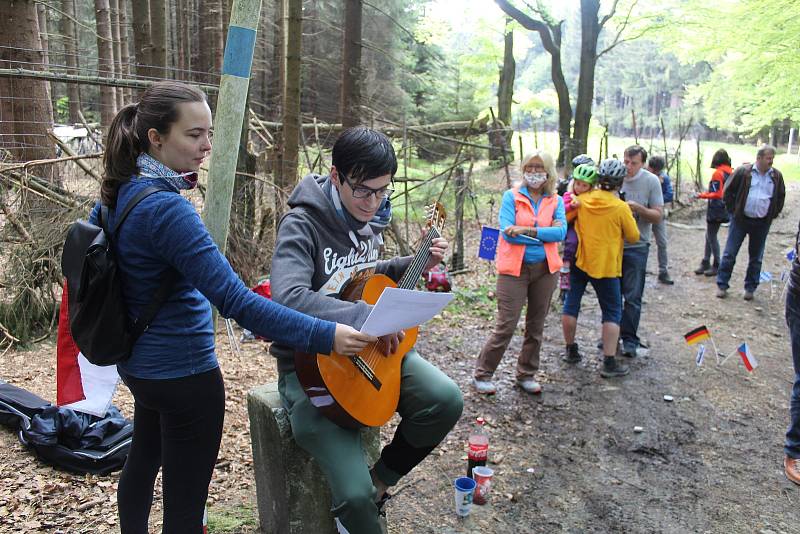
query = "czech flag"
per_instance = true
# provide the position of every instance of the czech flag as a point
(488, 246)
(80, 385)
(749, 360)
(697, 335)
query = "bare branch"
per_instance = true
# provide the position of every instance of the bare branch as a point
(610, 14)
(529, 23)
(621, 29)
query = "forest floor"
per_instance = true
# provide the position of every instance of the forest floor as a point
(567, 460)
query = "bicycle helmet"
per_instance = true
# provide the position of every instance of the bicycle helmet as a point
(611, 173)
(582, 159)
(585, 173)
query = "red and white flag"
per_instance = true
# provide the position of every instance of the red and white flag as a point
(80, 385)
(749, 360)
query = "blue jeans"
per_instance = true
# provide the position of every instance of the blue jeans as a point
(607, 290)
(792, 446)
(634, 269)
(757, 229)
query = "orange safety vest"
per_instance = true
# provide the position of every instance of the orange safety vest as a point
(510, 255)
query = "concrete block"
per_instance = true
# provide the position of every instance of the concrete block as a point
(293, 494)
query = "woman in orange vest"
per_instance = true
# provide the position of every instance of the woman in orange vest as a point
(533, 223)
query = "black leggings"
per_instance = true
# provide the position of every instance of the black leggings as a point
(177, 425)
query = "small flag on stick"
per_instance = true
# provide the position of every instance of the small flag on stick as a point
(701, 354)
(488, 246)
(697, 335)
(749, 360)
(766, 276)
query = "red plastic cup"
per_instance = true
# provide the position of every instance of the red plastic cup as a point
(483, 480)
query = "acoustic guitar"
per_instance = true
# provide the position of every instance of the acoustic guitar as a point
(363, 389)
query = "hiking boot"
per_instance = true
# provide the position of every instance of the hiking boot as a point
(748, 295)
(665, 279)
(485, 387)
(703, 269)
(791, 467)
(722, 293)
(529, 385)
(711, 271)
(572, 355)
(612, 368)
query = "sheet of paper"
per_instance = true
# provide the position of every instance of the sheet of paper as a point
(398, 309)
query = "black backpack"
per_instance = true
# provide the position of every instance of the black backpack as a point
(98, 317)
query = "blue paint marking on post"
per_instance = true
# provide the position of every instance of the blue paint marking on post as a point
(239, 51)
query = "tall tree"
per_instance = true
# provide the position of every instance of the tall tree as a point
(71, 56)
(550, 32)
(117, 48)
(105, 60)
(29, 114)
(350, 103)
(125, 54)
(505, 89)
(44, 37)
(158, 36)
(293, 30)
(141, 37)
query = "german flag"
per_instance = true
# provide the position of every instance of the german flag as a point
(697, 335)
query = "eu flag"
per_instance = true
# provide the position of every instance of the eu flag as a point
(488, 248)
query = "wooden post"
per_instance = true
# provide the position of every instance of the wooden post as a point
(635, 131)
(461, 189)
(521, 153)
(228, 118)
(791, 141)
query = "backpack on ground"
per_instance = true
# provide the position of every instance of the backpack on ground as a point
(98, 317)
(61, 437)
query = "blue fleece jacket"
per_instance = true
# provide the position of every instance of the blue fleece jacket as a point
(164, 230)
(534, 252)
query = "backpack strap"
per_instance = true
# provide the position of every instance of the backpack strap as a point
(142, 323)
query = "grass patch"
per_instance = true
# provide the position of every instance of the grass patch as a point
(479, 301)
(237, 519)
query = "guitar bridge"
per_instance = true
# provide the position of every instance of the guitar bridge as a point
(365, 370)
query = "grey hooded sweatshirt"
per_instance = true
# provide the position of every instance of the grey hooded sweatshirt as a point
(317, 252)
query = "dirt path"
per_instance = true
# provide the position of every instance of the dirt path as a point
(710, 461)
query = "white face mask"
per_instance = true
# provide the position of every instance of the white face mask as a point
(535, 180)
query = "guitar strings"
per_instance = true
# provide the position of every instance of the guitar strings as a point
(413, 273)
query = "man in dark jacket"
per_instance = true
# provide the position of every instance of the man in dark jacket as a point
(754, 195)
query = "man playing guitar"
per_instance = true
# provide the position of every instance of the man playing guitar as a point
(332, 233)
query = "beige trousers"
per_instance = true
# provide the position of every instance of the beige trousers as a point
(534, 286)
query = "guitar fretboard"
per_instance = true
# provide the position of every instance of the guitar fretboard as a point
(414, 271)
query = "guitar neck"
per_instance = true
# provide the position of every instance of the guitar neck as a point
(414, 271)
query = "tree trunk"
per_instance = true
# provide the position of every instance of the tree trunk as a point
(105, 61)
(505, 92)
(27, 116)
(119, 93)
(293, 30)
(182, 41)
(590, 30)
(141, 37)
(350, 103)
(125, 55)
(505, 89)
(41, 13)
(278, 54)
(71, 57)
(564, 105)
(158, 37)
(219, 35)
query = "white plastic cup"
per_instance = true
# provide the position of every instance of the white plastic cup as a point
(465, 487)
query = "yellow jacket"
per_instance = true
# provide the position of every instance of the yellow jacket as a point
(602, 223)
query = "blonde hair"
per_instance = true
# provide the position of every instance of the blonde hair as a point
(549, 186)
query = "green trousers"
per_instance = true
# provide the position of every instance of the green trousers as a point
(430, 405)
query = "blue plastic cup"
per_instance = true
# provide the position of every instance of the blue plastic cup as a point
(465, 488)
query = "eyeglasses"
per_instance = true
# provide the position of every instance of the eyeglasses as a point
(360, 191)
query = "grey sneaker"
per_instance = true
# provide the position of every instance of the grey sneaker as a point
(572, 355)
(748, 295)
(529, 385)
(612, 368)
(485, 387)
(722, 293)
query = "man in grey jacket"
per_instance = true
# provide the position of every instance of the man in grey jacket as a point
(332, 233)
